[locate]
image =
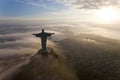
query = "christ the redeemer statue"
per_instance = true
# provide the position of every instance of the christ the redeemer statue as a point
(43, 35)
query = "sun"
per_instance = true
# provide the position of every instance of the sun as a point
(107, 14)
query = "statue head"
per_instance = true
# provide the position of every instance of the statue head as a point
(42, 30)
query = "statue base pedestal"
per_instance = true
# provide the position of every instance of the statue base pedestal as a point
(48, 51)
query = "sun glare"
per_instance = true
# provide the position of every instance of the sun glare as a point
(107, 14)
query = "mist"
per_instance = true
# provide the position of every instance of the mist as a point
(90, 49)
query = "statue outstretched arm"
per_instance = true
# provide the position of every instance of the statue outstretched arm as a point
(37, 35)
(49, 34)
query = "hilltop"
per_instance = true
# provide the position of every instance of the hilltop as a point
(45, 66)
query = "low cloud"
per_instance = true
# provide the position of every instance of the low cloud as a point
(12, 42)
(86, 50)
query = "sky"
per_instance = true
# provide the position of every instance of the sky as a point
(57, 9)
(29, 8)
